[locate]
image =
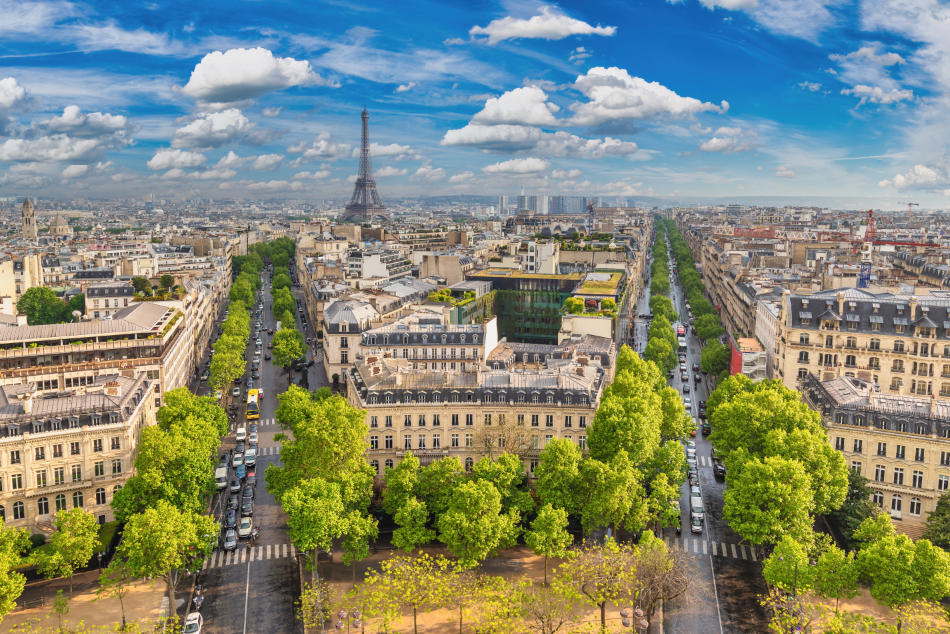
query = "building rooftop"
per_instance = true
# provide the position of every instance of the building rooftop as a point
(600, 283)
(138, 317)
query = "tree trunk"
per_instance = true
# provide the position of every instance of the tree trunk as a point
(122, 607)
(415, 626)
(545, 570)
(603, 616)
(170, 587)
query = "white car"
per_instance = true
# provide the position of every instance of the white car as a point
(252, 438)
(193, 623)
(236, 391)
(241, 433)
(237, 460)
(250, 458)
(244, 528)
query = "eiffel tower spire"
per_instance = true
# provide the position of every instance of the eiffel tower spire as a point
(365, 205)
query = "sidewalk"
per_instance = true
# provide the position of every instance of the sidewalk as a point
(35, 605)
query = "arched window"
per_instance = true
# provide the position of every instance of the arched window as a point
(100, 496)
(462, 338)
(77, 499)
(444, 338)
(915, 506)
(60, 502)
(18, 511)
(375, 465)
(42, 506)
(469, 463)
(389, 464)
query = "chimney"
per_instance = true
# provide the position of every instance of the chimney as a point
(21, 319)
(112, 388)
(27, 399)
(912, 305)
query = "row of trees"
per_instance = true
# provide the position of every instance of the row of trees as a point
(590, 577)
(41, 305)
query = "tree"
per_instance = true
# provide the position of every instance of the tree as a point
(473, 526)
(71, 546)
(612, 494)
(574, 305)
(314, 516)
(142, 285)
(548, 535)
(402, 482)
(167, 281)
(768, 499)
(836, 575)
(660, 573)
(281, 280)
(599, 575)
(663, 306)
(287, 320)
(41, 306)
(546, 610)
(787, 567)
(437, 483)
(403, 582)
(938, 522)
(288, 346)
(708, 327)
(714, 358)
(412, 518)
(114, 582)
(557, 475)
(507, 474)
(660, 352)
(226, 366)
(856, 508)
(13, 541)
(162, 541)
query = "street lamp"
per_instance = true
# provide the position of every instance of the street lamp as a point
(345, 619)
(634, 618)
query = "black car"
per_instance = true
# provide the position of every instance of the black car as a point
(248, 492)
(719, 469)
(230, 518)
(247, 508)
(695, 367)
(256, 374)
(706, 428)
(239, 448)
(233, 501)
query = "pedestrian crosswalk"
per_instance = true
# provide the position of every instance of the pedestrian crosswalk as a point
(268, 451)
(243, 554)
(698, 546)
(268, 424)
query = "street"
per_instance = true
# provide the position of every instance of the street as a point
(725, 574)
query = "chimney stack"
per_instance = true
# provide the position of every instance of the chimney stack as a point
(21, 319)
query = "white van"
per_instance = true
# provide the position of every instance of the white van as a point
(241, 433)
(696, 507)
(221, 477)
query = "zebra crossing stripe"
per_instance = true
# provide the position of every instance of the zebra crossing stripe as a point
(734, 555)
(742, 550)
(269, 546)
(705, 544)
(752, 550)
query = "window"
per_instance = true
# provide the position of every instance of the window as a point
(374, 442)
(915, 506)
(99, 469)
(422, 420)
(803, 356)
(389, 464)
(18, 511)
(520, 420)
(42, 506)
(77, 499)
(16, 481)
(373, 422)
(57, 451)
(436, 441)
(60, 502)
(839, 443)
(41, 478)
(407, 442)
(802, 373)
(77, 472)
(116, 466)
(803, 339)
(389, 421)
(435, 420)
(879, 473)
(549, 420)
(582, 422)
(896, 503)
(945, 458)
(901, 449)
(74, 449)
(850, 361)
(856, 466)
(454, 440)
(858, 445)
(97, 444)
(468, 440)
(534, 420)
(919, 454)
(943, 482)
(344, 356)
(882, 449)
(59, 475)
(114, 443)
(388, 441)
(487, 419)
(407, 420)
(918, 479)
(455, 420)
(469, 419)
(375, 465)
(898, 475)
(422, 442)
(878, 498)
(469, 463)
(567, 420)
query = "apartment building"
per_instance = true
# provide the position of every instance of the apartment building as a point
(69, 447)
(899, 343)
(426, 342)
(368, 268)
(103, 299)
(518, 400)
(901, 444)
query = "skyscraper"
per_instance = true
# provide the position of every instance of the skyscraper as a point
(365, 204)
(29, 220)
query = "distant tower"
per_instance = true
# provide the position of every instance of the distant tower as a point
(29, 220)
(365, 204)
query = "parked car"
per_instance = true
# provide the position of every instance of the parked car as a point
(248, 492)
(251, 456)
(193, 623)
(244, 528)
(205, 375)
(267, 356)
(230, 539)
(247, 508)
(696, 525)
(270, 331)
(241, 471)
(695, 367)
(236, 392)
(234, 500)
(706, 428)
(685, 388)
(252, 438)
(230, 518)
(235, 486)
(239, 446)
(237, 460)
(719, 469)
(251, 476)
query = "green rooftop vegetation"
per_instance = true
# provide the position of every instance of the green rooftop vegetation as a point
(516, 273)
(601, 287)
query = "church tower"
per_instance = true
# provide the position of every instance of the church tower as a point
(29, 220)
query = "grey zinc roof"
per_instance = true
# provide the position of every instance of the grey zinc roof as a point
(143, 316)
(349, 311)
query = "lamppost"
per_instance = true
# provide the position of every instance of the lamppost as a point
(345, 619)
(634, 618)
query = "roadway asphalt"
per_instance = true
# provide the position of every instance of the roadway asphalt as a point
(725, 573)
(253, 590)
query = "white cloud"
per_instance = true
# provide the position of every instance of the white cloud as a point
(212, 129)
(810, 86)
(267, 162)
(461, 177)
(526, 106)
(406, 87)
(275, 186)
(12, 94)
(230, 160)
(109, 36)
(783, 171)
(173, 174)
(876, 94)
(316, 175)
(428, 174)
(918, 176)
(75, 171)
(243, 73)
(613, 94)
(564, 144)
(77, 124)
(58, 147)
(270, 112)
(565, 174)
(729, 140)
(804, 19)
(510, 138)
(579, 54)
(167, 158)
(550, 24)
(214, 174)
(528, 165)
(321, 148)
(388, 170)
(400, 152)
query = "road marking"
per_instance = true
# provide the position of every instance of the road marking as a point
(743, 551)
(243, 555)
(712, 570)
(752, 550)
(705, 545)
(247, 588)
(734, 555)
(269, 546)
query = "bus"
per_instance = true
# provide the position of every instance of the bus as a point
(253, 407)
(680, 330)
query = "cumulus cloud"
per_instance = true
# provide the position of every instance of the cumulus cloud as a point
(729, 140)
(271, 112)
(167, 158)
(406, 87)
(58, 147)
(12, 94)
(275, 186)
(919, 175)
(214, 174)
(876, 94)
(528, 165)
(388, 170)
(244, 73)
(315, 175)
(810, 86)
(565, 174)
(461, 177)
(804, 19)
(784, 172)
(322, 147)
(212, 129)
(77, 124)
(550, 24)
(428, 174)
(867, 72)
(526, 106)
(75, 171)
(267, 162)
(614, 94)
(231, 160)
(515, 138)
(399, 152)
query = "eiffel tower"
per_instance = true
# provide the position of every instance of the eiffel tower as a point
(365, 204)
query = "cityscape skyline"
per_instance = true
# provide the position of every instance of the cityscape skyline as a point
(817, 99)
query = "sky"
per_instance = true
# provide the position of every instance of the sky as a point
(633, 98)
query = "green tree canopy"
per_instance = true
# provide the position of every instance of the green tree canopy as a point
(71, 546)
(412, 519)
(474, 527)
(714, 358)
(41, 306)
(13, 542)
(281, 280)
(938, 522)
(557, 476)
(288, 346)
(548, 535)
(708, 327)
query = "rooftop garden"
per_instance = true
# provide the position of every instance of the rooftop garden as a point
(445, 296)
(515, 273)
(600, 287)
(579, 306)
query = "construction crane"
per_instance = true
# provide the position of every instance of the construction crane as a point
(910, 209)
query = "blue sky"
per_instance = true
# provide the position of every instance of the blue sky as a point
(693, 98)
